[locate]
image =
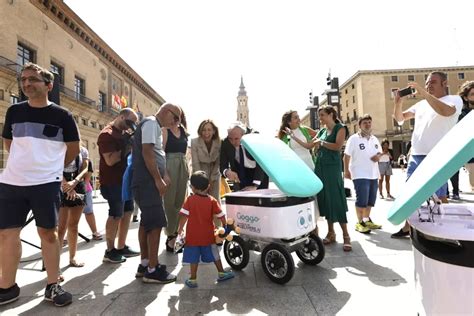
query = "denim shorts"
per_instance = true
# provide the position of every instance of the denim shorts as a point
(17, 201)
(195, 254)
(366, 192)
(413, 163)
(89, 207)
(113, 195)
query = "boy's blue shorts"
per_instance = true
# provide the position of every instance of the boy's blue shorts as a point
(195, 254)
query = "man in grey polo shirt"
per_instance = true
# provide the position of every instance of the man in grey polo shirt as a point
(149, 184)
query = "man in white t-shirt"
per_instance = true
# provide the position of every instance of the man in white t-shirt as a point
(361, 157)
(434, 116)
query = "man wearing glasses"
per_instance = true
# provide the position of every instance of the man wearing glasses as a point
(114, 147)
(42, 138)
(149, 184)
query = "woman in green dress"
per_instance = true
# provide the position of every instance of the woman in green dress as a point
(328, 167)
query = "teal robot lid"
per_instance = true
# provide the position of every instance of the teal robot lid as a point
(289, 173)
(447, 157)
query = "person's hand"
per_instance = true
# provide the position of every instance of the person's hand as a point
(347, 174)
(167, 179)
(71, 195)
(376, 157)
(419, 90)
(288, 131)
(233, 176)
(250, 188)
(70, 185)
(161, 186)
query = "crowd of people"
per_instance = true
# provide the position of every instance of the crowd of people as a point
(143, 165)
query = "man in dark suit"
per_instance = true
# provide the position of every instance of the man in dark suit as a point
(247, 175)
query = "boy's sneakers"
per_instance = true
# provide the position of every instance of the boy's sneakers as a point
(226, 275)
(140, 271)
(372, 225)
(127, 252)
(55, 293)
(191, 283)
(361, 227)
(113, 256)
(160, 275)
(9, 295)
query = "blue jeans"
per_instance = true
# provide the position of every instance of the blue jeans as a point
(413, 163)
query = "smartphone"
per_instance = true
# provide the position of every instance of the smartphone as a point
(406, 91)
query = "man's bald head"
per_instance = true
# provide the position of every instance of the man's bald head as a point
(168, 114)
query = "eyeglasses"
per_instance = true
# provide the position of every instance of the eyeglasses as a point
(31, 79)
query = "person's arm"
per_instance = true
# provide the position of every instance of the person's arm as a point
(72, 150)
(347, 172)
(438, 106)
(182, 221)
(111, 158)
(398, 114)
(305, 144)
(340, 138)
(150, 163)
(8, 143)
(164, 133)
(196, 164)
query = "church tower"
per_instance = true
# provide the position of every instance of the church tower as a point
(242, 104)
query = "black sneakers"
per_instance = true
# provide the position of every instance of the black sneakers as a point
(160, 275)
(400, 234)
(113, 256)
(55, 293)
(9, 295)
(127, 252)
(140, 271)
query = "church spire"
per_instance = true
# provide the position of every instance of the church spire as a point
(242, 91)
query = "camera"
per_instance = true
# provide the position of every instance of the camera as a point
(406, 91)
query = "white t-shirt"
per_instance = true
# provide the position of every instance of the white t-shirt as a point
(361, 149)
(430, 127)
(384, 158)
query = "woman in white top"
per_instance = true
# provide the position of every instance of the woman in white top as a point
(385, 168)
(298, 137)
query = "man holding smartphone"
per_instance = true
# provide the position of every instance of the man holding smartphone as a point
(434, 116)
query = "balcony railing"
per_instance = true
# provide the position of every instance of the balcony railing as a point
(9, 64)
(73, 94)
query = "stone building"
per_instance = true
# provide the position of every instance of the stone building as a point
(371, 91)
(94, 81)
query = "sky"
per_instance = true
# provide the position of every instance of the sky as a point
(194, 52)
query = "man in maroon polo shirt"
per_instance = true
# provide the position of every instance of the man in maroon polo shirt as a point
(114, 147)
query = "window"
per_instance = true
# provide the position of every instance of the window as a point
(353, 99)
(76, 118)
(79, 86)
(355, 128)
(84, 121)
(352, 86)
(461, 76)
(347, 103)
(58, 71)
(394, 78)
(101, 102)
(24, 54)
(2, 94)
(394, 91)
(355, 115)
(93, 124)
(101, 126)
(14, 99)
(345, 91)
(411, 77)
(412, 122)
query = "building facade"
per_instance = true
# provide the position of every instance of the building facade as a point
(95, 83)
(371, 92)
(242, 105)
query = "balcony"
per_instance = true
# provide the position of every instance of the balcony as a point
(77, 96)
(7, 64)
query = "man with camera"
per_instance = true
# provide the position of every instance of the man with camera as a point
(237, 165)
(42, 138)
(434, 116)
(114, 146)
